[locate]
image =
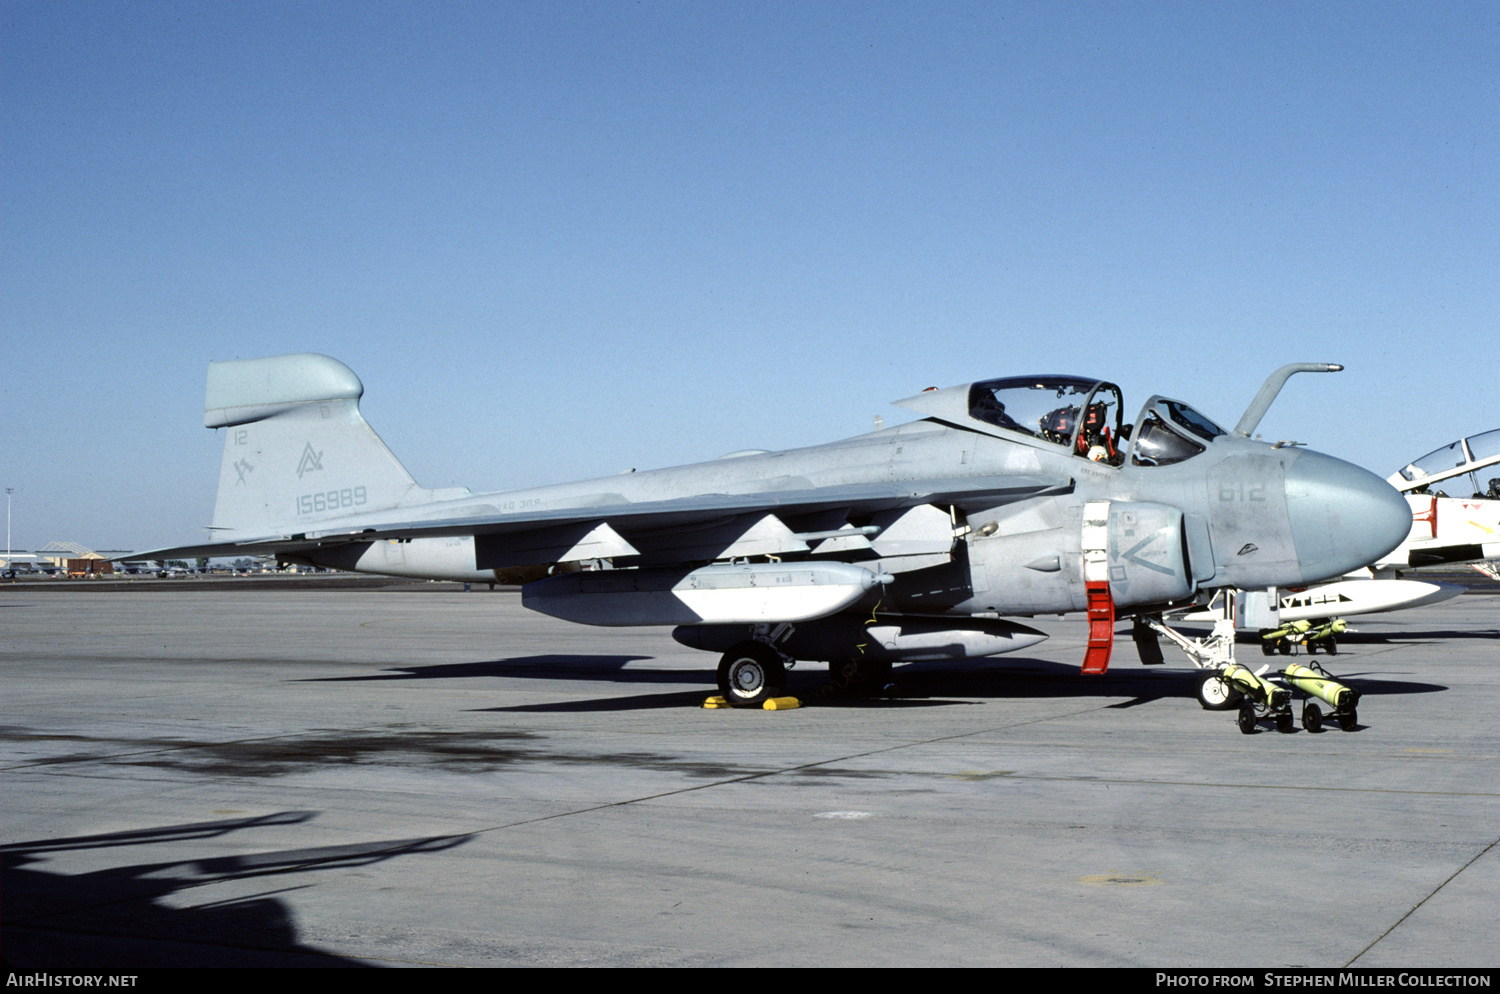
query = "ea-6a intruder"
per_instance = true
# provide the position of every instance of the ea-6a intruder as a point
(1008, 498)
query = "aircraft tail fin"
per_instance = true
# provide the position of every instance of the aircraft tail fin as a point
(297, 452)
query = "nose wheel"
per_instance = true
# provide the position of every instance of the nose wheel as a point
(1215, 693)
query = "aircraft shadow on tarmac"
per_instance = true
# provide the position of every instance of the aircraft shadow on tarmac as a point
(549, 667)
(114, 918)
(913, 685)
(593, 669)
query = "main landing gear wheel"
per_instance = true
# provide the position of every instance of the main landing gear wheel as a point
(1247, 718)
(750, 674)
(1215, 694)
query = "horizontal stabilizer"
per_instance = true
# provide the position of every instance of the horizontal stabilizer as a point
(247, 390)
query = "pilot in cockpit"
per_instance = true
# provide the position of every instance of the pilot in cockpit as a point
(1095, 440)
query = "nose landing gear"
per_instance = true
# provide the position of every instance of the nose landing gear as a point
(1224, 685)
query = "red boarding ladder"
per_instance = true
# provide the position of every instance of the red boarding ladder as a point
(1101, 605)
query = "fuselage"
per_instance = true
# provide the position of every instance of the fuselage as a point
(1232, 513)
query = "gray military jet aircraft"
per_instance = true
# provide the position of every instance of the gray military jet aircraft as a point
(1008, 498)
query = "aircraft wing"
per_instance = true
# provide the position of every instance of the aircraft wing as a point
(698, 527)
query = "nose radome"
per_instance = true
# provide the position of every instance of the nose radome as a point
(1343, 517)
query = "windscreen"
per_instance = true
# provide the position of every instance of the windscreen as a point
(1158, 445)
(1186, 417)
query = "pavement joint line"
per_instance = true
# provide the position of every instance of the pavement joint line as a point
(771, 773)
(958, 776)
(1424, 900)
(1248, 786)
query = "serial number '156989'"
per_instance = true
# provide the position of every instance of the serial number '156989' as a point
(330, 500)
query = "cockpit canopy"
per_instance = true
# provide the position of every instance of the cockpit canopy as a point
(1084, 415)
(1081, 414)
(1170, 432)
(1465, 457)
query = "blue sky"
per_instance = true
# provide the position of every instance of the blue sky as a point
(560, 240)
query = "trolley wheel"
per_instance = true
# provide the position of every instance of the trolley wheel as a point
(1247, 718)
(1312, 717)
(1331, 647)
(1215, 693)
(1349, 721)
(1284, 722)
(1268, 648)
(1312, 648)
(1285, 648)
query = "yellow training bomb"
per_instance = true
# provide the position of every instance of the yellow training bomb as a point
(1255, 688)
(1327, 630)
(1314, 684)
(1288, 630)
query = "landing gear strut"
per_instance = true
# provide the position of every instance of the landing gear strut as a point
(1212, 654)
(1224, 685)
